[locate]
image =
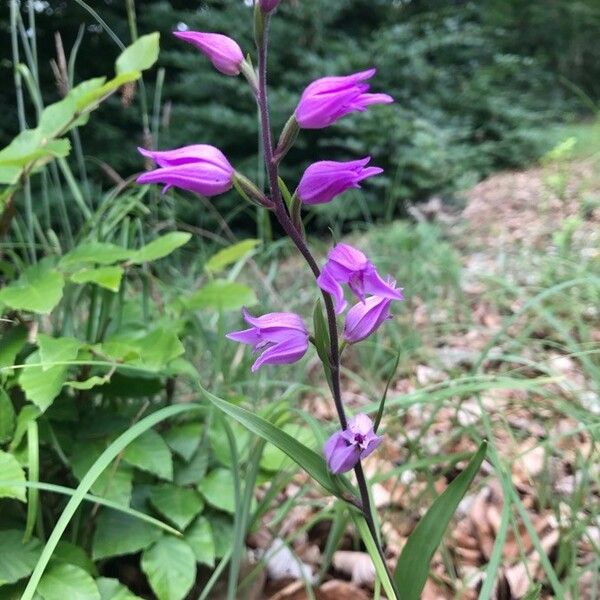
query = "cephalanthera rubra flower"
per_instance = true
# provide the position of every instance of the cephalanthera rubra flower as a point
(223, 52)
(328, 99)
(326, 179)
(345, 448)
(280, 336)
(347, 265)
(198, 168)
(365, 317)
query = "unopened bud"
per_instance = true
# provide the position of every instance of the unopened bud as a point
(249, 191)
(287, 138)
(268, 5)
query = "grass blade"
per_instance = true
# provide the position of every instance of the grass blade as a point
(89, 479)
(412, 568)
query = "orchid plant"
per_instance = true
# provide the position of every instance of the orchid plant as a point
(283, 337)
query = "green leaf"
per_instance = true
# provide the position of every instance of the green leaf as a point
(42, 384)
(31, 146)
(39, 289)
(141, 55)
(161, 247)
(200, 539)
(67, 581)
(273, 459)
(158, 348)
(11, 344)
(17, 559)
(192, 472)
(105, 277)
(88, 383)
(7, 417)
(184, 439)
(170, 566)
(113, 484)
(222, 528)
(178, 504)
(308, 459)
(533, 593)
(100, 253)
(113, 589)
(221, 295)
(68, 553)
(56, 350)
(55, 117)
(88, 94)
(117, 534)
(412, 567)
(322, 343)
(150, 453)
(27, 414)
(11, 471)
(217, 488)
(229, 255)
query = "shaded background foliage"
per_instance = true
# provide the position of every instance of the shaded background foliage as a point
(475, 84)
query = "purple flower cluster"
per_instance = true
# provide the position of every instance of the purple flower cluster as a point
(282, 337)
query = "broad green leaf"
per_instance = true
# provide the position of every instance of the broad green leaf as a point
(39, 289)
(55, 117)
(113, 589)
(56, 350)
(218, 489)
(105, 277)
(273, 459)
(68, 553)
(227, 256)
(11, 344)
(158, 348)
(184, 439)
(190, 473)
(412, 567)
(10, 470)
(27, 414)
(150, 453)
(88, 383)
(42, 384)
(100, 253)
(222, 528)
(219, 441)
(308, 459)
(90, 93)
(113, 484)
(221, 295)
(7, 417)
(17, 559)
(170, 566)
(117, 534)
(199, 536)
(141, 55)
(67, 581)
(178, 504)
(161, 247)
(8, 176)
(31, 145)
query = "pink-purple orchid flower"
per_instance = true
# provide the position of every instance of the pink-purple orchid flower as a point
(223, 52)
(328, 99)
(280, 336)
(345, 448)
(268, 5)
(364, 318)
(198, 168)
(347, 265)
(324, 180)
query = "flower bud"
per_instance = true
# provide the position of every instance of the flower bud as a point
(198, 168)
(326, 179)
(223, 52)
(328, 99)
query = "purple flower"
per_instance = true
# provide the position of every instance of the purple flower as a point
(328, 99)
(282, 338)
(324, 180)
(198, 168)
(365, 317)
(345, 448)
(347, 265)
(223, 52)
(268, 5)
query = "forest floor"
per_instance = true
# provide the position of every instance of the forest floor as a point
(506, 348)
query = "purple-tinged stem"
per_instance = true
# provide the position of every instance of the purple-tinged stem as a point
(271, 163)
